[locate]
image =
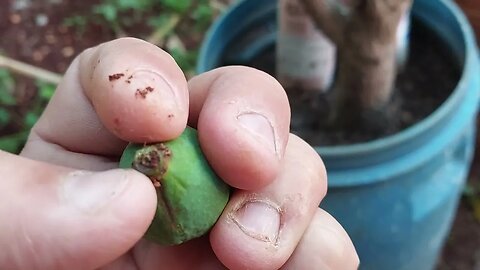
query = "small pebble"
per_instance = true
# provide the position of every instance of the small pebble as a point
(68, 51)
(41, 20)
(15, 18)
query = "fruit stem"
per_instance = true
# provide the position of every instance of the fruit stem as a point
(153, 161)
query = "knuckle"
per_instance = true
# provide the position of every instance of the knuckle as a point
(310, 164)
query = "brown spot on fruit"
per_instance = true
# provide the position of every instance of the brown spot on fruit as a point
(153, 161)
(156, 183)
(161, 146)
(115, 77)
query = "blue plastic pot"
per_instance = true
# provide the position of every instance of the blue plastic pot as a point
(396, 196)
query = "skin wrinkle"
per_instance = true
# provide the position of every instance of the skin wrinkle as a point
(212, 82)
(25, 247)
(57, 154)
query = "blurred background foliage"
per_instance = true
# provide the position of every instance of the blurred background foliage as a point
(177, 26)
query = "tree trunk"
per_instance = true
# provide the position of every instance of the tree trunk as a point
(366, 42)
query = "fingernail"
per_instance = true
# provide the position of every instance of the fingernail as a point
(259, 220)
(90, 192)
(260, 127)
(146, 82)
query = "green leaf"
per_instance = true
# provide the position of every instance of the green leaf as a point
(107, 11)
(13, 143)
(30, 119)
(203, 13)
(7, 85)
(4, 117)
(141, 5)
(76, 21)
(185, 60)
(6, 98)
(159, 21)
(177, 5)
(6, 79)
(45, 90)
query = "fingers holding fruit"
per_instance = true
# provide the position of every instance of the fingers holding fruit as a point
(190, 196)
(243, 119)
(260, 229)
(125, 90)
(130, 91)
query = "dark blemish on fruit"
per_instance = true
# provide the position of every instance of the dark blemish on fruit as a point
(116, 121)
(143, 92)
(170, 116)
(153, 162)
(150, 160)
(129, 79)
(156, 182)
(161, 146)
(114, 77)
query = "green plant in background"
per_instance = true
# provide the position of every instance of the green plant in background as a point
(78, 22)
(45, 92)
(118, 14)
(7, 84)
(177, 26)
(10, 143)
(11, 116)
(472, 195)
(172, 23)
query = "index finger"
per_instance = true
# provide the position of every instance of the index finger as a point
(123, 90)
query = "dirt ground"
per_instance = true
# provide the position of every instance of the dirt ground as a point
(33, 31)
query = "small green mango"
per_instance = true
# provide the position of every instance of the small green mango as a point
(191, 197)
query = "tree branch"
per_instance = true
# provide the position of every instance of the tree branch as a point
(158, 36)
(29, 70)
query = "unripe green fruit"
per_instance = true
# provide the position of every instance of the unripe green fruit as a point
(190, 195)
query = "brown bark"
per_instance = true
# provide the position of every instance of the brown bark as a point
(366, 43)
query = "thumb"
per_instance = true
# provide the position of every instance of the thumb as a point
(54, 218)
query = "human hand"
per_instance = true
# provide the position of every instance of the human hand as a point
(66, 206)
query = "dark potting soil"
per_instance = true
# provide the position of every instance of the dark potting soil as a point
(428, 78)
